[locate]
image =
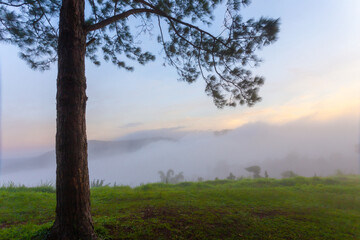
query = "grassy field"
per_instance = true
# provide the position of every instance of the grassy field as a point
(295, 208)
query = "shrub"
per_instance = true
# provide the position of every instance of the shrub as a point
(98, 183)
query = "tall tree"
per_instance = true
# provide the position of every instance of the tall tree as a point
(47, 31)
(255, 170)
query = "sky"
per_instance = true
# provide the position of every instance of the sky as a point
(312, 72)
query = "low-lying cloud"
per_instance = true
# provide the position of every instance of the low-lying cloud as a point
(304, 146)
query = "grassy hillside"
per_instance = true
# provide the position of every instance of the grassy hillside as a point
(296, 208)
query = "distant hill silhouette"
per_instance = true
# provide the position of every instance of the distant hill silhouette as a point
(96, 149)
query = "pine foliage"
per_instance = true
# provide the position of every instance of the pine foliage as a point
(221, 59)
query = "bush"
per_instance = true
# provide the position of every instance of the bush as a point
(288, 174)
(98, 183)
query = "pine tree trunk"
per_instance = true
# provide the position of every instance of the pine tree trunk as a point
(73, 218)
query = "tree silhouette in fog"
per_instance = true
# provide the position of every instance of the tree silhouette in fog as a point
(288, 174)
(255, 170)
(231, 176)
(169, 177)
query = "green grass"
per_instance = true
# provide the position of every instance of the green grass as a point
(295, 208)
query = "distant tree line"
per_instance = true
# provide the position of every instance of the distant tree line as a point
(171, 178)
(256, 173)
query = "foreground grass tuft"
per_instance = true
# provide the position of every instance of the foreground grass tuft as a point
(294, 208)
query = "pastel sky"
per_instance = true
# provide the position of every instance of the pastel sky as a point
(312, 71)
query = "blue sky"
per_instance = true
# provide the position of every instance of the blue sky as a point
(311, 71)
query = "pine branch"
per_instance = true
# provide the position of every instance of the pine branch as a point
(118, 17)
(46, 17)
(14, 5)
(163, 14)
(153, 10)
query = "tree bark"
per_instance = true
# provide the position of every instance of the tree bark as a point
(73, 218)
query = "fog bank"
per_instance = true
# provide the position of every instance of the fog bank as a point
(304, 146)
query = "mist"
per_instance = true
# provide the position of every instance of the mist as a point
(305, 146)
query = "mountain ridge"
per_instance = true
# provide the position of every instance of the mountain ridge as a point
(96, 148)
